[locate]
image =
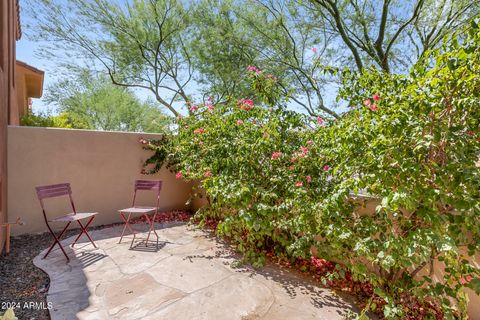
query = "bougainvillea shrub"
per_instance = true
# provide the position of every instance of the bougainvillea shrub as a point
(281, 183)
(250, 159)
(414, 142)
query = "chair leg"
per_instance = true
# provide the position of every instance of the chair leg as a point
(151, 222)
(127, 225)
(57, 241)
(84, 231)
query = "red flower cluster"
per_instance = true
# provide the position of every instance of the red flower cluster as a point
(304, 151)
(199, 131)
(276, 155)
(245, 104)
(208, 174)
(167, 216)
(369, 104)
(254, 69)
(272, 77)
(210, 107)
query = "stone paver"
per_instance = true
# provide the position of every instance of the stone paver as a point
(188, 276)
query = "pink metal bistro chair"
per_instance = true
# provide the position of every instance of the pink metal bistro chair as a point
(126, 214)
(58, 190)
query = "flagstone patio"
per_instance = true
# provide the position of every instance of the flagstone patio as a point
(187, 276)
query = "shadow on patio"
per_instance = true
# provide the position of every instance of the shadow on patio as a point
(188, 276)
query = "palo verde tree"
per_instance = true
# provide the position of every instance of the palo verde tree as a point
(163, 45)
(139, 44)
(388, 34)
(302, 42)
(274, 36)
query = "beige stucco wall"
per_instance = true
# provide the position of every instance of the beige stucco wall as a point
(101, 167)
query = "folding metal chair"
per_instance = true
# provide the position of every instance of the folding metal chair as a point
(126, 214)
(58, 190)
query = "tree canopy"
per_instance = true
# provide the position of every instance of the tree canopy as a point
(93, 102)
(179, 51)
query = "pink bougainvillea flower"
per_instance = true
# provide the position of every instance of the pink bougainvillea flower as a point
(208, 174)
(239, 122)
(304, 151)
(193, 108)
(299, 184)
(210, 99)
(310, 142)
(376, 97)
(246, 104)
(367, 102)
(210, 107)
(319, 121)
(326, 168)
(373, 107)
(199, 131)
(276, 155)
(272, 77)
(254, 69)
(466, 279)
(179, 175)
(314, 50)
(142, 141)
(309, 179)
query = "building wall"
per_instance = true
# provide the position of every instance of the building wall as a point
(8, 35)
(22, 98)
(101, 167)
(29, 84)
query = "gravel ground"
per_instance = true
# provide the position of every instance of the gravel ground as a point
(21, 283)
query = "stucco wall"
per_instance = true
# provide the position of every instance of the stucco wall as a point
(101, 167)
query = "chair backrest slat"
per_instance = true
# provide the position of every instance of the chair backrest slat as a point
(52, 191)
(148, 185)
